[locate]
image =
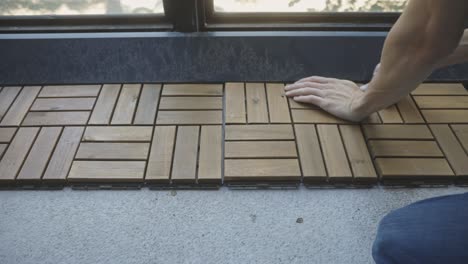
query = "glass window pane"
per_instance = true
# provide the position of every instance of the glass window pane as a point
(79, 7)
(309, 5)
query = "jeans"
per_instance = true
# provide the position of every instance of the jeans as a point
(429, 231)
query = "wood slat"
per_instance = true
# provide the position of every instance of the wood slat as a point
(447, 102)
(209, 164)
(259, 132)
(70, 91)
(315, 117)
(261, 170)
(257, 111)
(277, 103)
(63, 155)
(7, 96)
(191, 102)
(113, 151)
(185, 155)
(107, 171)
(160, 159)
(20, 106)
(148, 104)
(390, 115)
(189, 117)
(56, 118)
(16, 153)
(409, 111)
(397, 132)
(6, 134)
(452, 149)
(260, 149)
(36, 162)
(358, 155)
(446, 116)
(334, 153)
(460, 130)
(105, 104)
(3, 147)
(118, 133)
(405, 148)
(440, 89)
(312, 163)
(413, 167)
(193, 89)
(57, 104)
(235, 103)
(125, 108)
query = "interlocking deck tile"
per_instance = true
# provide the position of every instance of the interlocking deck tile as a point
(413, 167)
(260, 149)
(6, 134)
(107, 171)
(397, 132)
(3, 147)
(125, 108)
(334, 153)
(462, 134)
(189, 117)
(405, 148)
(20, 106)
(390, 115)
(56, 118)
(315, 116)
(185, 154)
(440, 89)
(235, 103)
(409, 111)
(257, 111)
(313, 165)
(148, 104)
(259, 132)
(261, 169)
(189, 102)
(118, 133)
(446, 116)
(113, 151)
(105, 104)
(193, 89)
(7, 96)
(446, 101)
(70, 91)
(454, 152)
(57, 104)
(160, 158)
(277, 103)
(209, 161)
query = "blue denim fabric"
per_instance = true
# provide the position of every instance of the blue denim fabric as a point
(429, 231)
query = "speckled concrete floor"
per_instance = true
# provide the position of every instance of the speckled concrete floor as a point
(225, 226)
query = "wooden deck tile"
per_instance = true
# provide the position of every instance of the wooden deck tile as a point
(397, 132)
(189, 117)
(209, 164)
(16, 153)
(105, 104)
(148, 104)
(7, 96)
(440, 89)
(6, 134)
(3, 147)
(107, 171)
(441, 102)
(36, 162)
(259, 132)
(257, 109)
(261, 170)
(125, 108)
(453, 150)
(312, 163)
(260, 149)
(413, 167)
(462, 134)
(160, 158)
(277, 103)
(405, 148)
(235, 103)
(185, 155)
(334, 153)
(315, 117)
(409, 111)
(113, 151)
(446, 116)
(118, 133)
(193, 89)
(58, 104)
(390, 115)
(63, 155)
(20, 106)
(56, 118)
(70, 91)
(190, 102)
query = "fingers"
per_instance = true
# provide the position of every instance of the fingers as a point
(304, 85)
(310, 99)
(318, 79)
(305, 91)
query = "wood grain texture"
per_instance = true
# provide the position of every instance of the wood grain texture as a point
(259, 132)
(260, 149)
(235, 103)
(390, 115)
(113, 151)
(107, 171)
(58, 104)
(409, 111)
(358, 155)
(446, 116)
(191, 102)
(185, 155)
(413, 167)
(125, 108)
(261, 170)
(7, 96)
(148, 104)
(315, 117)
(56, 118)
(404, 148)
(190, 117)
(257, 111)
(16, 153)
(193, 89)
(334, 153)
(313, 165)
(160, 159)
(6, 134)
(70, 91)
(20, 106)
(118, 133)
(436, 102)
(397, 132)
(277, 103)
(460, 130)
(105, 104)
(3, 147)
(452, 149)
(209, 162)
(63, 155)
(440, 89)
(37, 159)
